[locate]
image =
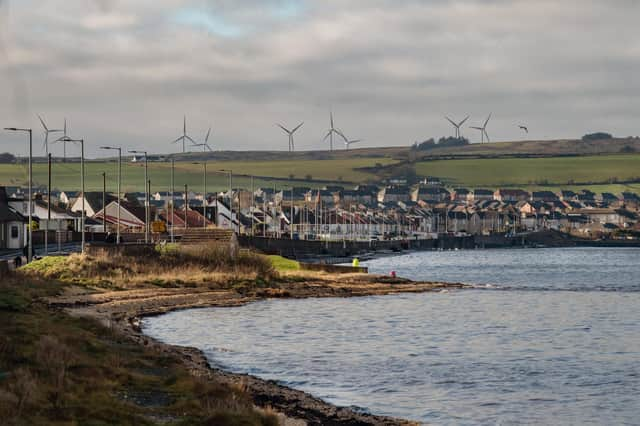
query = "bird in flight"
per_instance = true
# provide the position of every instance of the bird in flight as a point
(524, 128)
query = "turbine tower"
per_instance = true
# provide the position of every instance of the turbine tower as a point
(292, 146)
(185, 137)
(333, 130)
(483, 129)
(46, 134)
(457, 125)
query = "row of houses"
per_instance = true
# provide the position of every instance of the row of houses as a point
(332, 212)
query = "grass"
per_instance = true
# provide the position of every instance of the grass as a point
(66, 176)
(537, 172)
(282, 264)
(59, 370)
(169, 266)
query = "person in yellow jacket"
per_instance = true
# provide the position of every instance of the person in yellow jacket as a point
(355, 263)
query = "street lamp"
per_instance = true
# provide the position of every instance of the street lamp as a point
(30, 230)
(204, 196)
(146, 194)
(119, 183)
(84, 196)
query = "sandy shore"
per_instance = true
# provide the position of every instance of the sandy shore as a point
(122, 311)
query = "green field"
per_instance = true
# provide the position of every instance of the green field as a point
(66, 176)
(602, 171)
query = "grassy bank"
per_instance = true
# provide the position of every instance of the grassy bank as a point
(56, 369)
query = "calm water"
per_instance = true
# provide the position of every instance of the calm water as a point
(552, 337)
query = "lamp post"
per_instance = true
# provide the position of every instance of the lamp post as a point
(83, 214)
(146, 194)
(30, 230)
(204, 195)
(173, 164)
(119, 183)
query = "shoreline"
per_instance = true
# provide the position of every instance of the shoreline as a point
(122, 311)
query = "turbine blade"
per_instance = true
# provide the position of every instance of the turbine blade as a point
(488, 118)
(341, 134)
(297, 127)
(477, 128)
(284, 128)
(487, 135)
(328, 134)
(206, 139)
(462, 122)
(65, 126)
(331, 117)
(178, 140)
(451, 121)
(43, 125)
(189, 138)
(185, 125)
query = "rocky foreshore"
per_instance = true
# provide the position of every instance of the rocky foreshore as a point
(123, 310)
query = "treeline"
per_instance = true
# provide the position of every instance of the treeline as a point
(6, 158)
(598, 136)
(442, 142)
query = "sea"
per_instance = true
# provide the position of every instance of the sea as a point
(544, 336)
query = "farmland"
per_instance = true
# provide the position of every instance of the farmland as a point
(567, 172)
(66, 176)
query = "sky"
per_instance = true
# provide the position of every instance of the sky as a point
(126, 72)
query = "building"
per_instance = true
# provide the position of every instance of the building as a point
(13, 225)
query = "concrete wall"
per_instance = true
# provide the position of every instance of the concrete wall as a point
(302, 249)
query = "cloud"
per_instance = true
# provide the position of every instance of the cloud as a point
(125, 72)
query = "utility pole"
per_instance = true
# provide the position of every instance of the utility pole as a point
(204, 198)
(186, 203)
(252, 203)
(146, 193)
(30, 230)
(104, 203)
(46, 231)
(119, 185)
(172, 199)
(148, 188)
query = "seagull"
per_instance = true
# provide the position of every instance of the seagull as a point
(524, 128)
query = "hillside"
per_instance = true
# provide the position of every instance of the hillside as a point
(547, 148)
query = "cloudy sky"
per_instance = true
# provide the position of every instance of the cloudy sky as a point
(125, 72)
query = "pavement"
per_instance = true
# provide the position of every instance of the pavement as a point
(54, 250)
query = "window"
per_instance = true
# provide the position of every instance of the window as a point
(14, 231)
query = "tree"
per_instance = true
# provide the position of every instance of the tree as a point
(6, 158)
(597, 136)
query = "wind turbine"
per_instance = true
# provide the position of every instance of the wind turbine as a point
(525, 128)
(185, 137)
(457, 125)
(483, 129)
(292, 146)
(64, 139)
(206, 145)
(348, 143)
(46, 134)
(333, 130)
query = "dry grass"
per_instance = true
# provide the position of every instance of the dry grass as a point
(171, 266)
